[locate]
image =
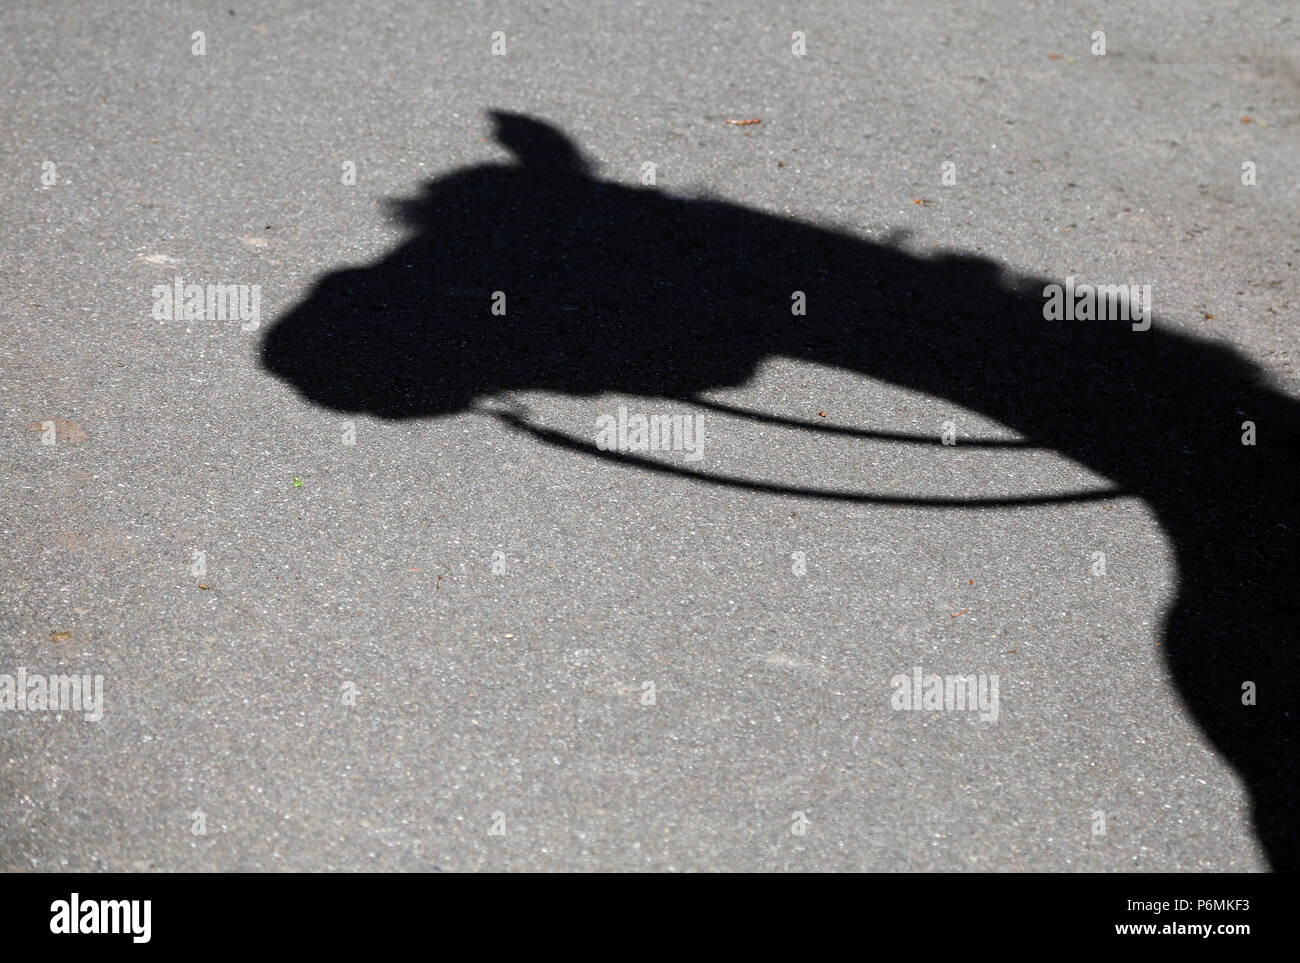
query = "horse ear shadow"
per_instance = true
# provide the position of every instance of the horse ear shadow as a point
(538, 146)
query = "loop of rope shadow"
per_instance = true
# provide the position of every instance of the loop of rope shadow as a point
(515, 420)
(867, 433)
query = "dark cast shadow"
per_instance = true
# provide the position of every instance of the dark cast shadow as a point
(618, 289)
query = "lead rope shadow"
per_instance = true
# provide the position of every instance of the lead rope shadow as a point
(517, 420)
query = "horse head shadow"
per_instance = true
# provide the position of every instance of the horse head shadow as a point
(619, 289)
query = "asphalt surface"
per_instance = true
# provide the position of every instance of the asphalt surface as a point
(509, 691)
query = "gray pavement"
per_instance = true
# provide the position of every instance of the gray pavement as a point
(621, 669)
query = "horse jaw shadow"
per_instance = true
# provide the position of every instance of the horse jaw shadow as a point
(608, 288)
